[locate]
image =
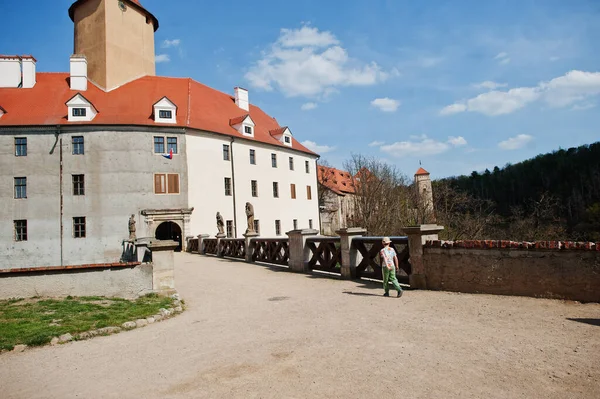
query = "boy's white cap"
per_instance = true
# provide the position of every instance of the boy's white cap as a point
(386, 240)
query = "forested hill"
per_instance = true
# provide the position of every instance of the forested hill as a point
(563, 185)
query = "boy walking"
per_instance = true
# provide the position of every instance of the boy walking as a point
(389, 267)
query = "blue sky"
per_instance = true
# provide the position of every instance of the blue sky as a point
(457, 85)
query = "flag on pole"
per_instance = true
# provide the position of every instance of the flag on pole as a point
(170, 156)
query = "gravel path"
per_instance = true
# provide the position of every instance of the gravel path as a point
(254, 332)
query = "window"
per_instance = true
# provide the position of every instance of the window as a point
(79, 227)
(20, 187)
(165, 115)
(275, 189)
(20, 230)
(254, 185)
(21, 146)
(248, 129)
(225, 152)
(308, 193)
(78, 184)
(257, 226)
(77, 142)
(274, 160)
(79, 112)
(228, 186)
(159, 145)
(278, 227)
(253, 157)
(307, 166)
(291, 163)
(287, 139)
(295, 224)
(166, 183)
(310, 225)
(229, 224)
(172, 144)
(293, 190)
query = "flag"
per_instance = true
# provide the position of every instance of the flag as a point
(170, 156)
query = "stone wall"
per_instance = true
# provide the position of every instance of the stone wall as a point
(562, 270)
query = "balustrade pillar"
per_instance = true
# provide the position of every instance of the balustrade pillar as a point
(201, 238)
(417, 236)
(299, 252)
(248, 245)
(350, 256)
(220, 252)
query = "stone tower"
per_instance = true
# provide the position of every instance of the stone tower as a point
(424, 196)
(117, 38)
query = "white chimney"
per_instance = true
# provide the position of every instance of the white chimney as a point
(10, 71)
(241, 98)
(79, 79)
(28, 65)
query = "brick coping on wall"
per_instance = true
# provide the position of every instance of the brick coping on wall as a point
(70, 267)
(505, 244)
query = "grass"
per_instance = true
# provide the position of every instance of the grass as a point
(35, 321)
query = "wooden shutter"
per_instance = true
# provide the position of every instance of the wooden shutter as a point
(308, 192)
(293, 187)
(159, 183)
(173, 184)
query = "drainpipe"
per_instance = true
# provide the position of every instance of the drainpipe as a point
(233, 188)
(317, 191)
(58, 132)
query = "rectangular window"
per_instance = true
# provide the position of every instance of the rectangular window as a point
(287, 139)
(163, 114)
(159, 145)
(254, 186)
(248, 129)
(293, 190)
(229, 229)
(257, 226)
(274, 160)
(171, 144)
(77, 142)
(78, 184)
(20, 187)
(291, 163)
(20, 146)
(252, 157)
(308, 193)
(278, 227)
(166, 183)
(310, 225)
(275, 189)
(79, 227)
(79, 111)
(225, 152)
(307, 166)
(20, 230)
(295, 224)
(228, 186)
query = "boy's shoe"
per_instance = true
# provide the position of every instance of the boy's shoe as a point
(399, 294)
(386, 294)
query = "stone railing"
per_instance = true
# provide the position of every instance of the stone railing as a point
(271, 250)
(370, 264)
(326, 254)
(232, 247)
(209, 246)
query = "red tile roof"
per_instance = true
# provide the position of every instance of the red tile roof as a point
(199, 106)
(338, 181)
(135, 3)
(278, 131)
(237, 120)
(421, 171)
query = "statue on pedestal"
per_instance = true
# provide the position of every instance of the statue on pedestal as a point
(220, 224)
(132, 228)
(250, 216)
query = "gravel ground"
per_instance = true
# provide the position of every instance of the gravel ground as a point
(251, 331)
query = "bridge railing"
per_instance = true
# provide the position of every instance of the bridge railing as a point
(326, 254)
(370, 264)
(271, 250)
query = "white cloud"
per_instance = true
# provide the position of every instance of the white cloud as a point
(386, 104)
(572, 88)
(162, 58)
(583, 107)
(308, 106)
(457, 141)
(307, 62)
(376, 143)
(170, 43)
(502, 58)
(420, 145)
(319, 149)
(514, 143)
(488, 84)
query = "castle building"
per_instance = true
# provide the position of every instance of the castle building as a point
(82, 151)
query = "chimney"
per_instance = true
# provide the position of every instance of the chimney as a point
(28, 66)
(241, 98)
(10, 71)
(79, 79)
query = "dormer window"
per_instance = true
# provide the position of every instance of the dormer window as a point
(283, 135)
(80, 109)
(243, 124)
(165, 111)
(287, 139)
(248, 130)
(2, 111)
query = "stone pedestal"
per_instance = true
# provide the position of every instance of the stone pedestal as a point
(299, 252)
(248, 243)
(350, 256)
(417, 236)
(142, 251)
(220, 237)
(163, 266)
(201, 238)
(187, 243)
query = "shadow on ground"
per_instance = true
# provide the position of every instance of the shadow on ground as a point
(593, 322)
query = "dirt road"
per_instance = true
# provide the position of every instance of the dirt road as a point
(254, 332)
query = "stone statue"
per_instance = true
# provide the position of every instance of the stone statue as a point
(250, 216)
(132, 228)
(220, 223)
